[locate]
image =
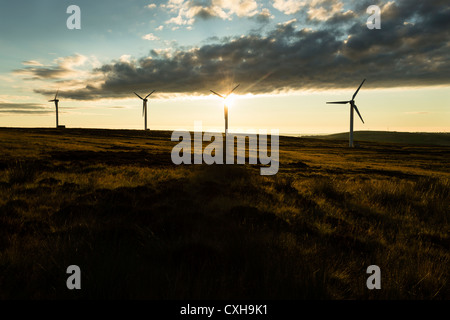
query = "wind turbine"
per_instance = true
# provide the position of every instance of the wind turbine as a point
(225, 105)
(144, 107)
(56, 105)
(352, 107)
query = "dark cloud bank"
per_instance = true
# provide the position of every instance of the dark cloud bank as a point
(411, 49)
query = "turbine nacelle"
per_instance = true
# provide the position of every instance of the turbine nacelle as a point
(145, 99)
(227, 95)
(352, 102)
(56, 96)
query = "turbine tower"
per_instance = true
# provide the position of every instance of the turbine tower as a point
(225, 105)
(144, 108)
(352, 107)
(56, 105)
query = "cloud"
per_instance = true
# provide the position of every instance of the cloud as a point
(288, 6)
(162, 53)
(264, 16)
(323, 10)
(32, 63)
(24, 108)
(117, 107)
(335, 54)
(242, 8)
(287, 23)
(151, 6)
(63, 68)
(125, 58)
(187, 11)
(319, 10)
(150, 37)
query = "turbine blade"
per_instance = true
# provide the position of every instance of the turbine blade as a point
(356, 108)
(233, 90)
(338, 102)
(143, 110)
(217, 94)
(138, 95)
(353, 98)
(149, 94)
(56, 93)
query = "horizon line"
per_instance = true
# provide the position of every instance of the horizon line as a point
(287, 134)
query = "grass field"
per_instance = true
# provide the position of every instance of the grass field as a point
(408, 138)
(140, 227)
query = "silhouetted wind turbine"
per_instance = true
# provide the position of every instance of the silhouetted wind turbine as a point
(144, 107)
(352, 107)
(56, 105)
(225, 105)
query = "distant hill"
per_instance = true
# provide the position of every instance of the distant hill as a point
(419, 138)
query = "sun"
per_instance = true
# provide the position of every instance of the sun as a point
(230, 100)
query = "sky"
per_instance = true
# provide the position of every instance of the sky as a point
(289, 58)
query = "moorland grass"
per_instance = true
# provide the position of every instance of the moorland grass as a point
(147, 229)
